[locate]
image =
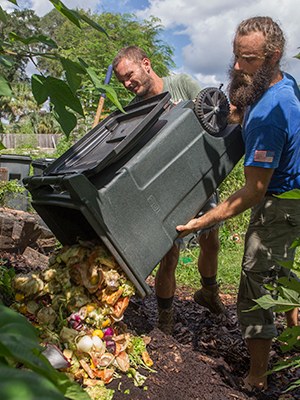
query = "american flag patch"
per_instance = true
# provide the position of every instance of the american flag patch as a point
(264, 156)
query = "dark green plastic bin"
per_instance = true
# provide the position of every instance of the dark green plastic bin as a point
(18, 167)
(132, 179)
(41, 164)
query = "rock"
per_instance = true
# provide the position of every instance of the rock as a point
(36, 259)
(19, 229)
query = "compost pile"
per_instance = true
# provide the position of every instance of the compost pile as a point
(77, 305)
(205, 358)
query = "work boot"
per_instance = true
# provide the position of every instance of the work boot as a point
(208, 296)
(165, 320)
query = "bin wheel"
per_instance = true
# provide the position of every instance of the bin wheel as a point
(212, 109)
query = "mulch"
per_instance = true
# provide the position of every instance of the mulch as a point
(205, 358)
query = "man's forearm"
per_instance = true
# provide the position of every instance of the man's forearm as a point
(237, 203)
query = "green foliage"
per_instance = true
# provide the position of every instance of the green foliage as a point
(25, 116)
(13, 61)
(110, 93)
(38, 45)
(39, 380)
(293, 194)
(136, 355)
(61, 96)
(57, 41)
(287, 297)
(6, 276)
(7, 191)
(5, 87)
(298, 55)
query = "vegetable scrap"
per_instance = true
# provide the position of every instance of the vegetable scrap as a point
(77, 305)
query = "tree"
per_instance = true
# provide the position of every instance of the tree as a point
(73, 62)
(21, 104)
(62, 93)
(24, 24)
(50, 25)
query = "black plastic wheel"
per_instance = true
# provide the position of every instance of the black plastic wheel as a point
(212, 109)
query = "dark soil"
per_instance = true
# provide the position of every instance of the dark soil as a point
(205, 358)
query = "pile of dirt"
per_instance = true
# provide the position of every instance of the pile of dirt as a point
(180, 374)
(206, 358)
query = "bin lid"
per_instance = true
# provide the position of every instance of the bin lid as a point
(15, 157)
(111, 139)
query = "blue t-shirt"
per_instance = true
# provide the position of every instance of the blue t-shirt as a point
(271, 131)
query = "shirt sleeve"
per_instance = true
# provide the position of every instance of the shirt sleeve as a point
(264, 146)
(192, 87)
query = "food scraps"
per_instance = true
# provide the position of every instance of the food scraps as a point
(77, 305)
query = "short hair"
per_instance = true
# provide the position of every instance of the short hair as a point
(274, 37)
(133, 53)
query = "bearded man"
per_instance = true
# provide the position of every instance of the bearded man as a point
(269, 102)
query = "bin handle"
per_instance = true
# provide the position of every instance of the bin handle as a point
(42, 181)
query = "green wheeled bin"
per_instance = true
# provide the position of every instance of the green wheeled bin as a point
(133, 178)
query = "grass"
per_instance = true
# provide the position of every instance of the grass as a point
(229, 269)
(230, 257)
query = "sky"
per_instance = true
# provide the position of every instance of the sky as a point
(200, 31)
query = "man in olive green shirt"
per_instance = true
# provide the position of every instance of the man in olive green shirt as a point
(133, 69)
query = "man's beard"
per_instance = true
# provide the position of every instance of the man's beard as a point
(245, 89)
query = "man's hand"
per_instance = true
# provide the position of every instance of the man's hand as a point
(190, 227)
(236, 115)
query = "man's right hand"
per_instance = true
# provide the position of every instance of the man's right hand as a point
(192, 226)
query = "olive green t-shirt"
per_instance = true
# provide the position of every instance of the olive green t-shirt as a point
(181, 87)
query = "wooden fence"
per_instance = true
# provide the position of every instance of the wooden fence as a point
(42, 141)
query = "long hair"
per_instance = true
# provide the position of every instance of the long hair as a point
(274, 38)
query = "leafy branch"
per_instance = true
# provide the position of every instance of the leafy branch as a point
(19, 347)
(63, 94)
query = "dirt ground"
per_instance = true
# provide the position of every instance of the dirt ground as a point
(205, 358)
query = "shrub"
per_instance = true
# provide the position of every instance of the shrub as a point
(8, 190)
